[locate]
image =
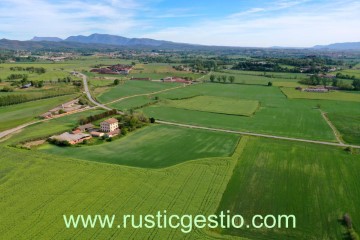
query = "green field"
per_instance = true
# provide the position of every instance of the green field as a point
(333, 95)
(154, 147)
(131, 103)
(317, 184)
(217, 105)
(133, 88)
(45, 187)
(15, 115)
(277, 114)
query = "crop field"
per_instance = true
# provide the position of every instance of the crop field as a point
(277, 115)
(146, 147)
(133, 88)
(333, 95)
(317, 184)
(132, 103)
(345, 117)
(53, 71)
(44, 187)
(15, 115)
(217, 105)
(159, 71)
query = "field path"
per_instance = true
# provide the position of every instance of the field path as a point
(143, 94)
(259, 135)
(336, 132)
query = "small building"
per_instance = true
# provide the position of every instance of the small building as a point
(113, 133)
(97, 134)
(72, 138)
(86, 127)
(109, 125)
(26, 85)
(319, 90)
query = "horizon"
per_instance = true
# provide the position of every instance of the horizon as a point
(242, 24)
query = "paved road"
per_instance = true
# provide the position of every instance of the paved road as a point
(88, 94)
(258, 134)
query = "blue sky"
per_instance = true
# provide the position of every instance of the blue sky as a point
(298, 23)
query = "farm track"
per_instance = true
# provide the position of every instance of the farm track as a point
(336, 132)
(259, 135)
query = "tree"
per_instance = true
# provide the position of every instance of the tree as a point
(224, 78)
(270, 84)
(356, 84)
(116, 82)
(152, 120)
(212, 77)
(218, 78)
(232, 79)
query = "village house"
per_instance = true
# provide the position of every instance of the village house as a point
(72, 138)
(109, 125)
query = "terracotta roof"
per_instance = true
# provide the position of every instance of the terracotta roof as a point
(111, 120)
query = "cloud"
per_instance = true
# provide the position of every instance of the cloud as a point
(22, 18)
(289, 26)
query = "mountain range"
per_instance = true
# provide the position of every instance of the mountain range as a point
(106, 41)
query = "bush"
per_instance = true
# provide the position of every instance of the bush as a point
(152, 120)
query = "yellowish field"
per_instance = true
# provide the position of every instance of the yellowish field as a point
(332, 95)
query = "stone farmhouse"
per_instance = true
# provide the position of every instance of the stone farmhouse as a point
(109, 125)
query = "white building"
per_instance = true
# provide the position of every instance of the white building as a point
(109, 125)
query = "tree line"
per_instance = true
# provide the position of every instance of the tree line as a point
(96, 117)
(22, 98)
(38, 70)
(315, 80)
(222, 78)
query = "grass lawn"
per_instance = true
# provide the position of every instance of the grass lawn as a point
(37, 189)
(14, 115)
(154, 147)
(318, 184)
(333, 95)
(213, 104)
(133, 88)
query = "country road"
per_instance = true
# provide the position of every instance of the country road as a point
(88, 94)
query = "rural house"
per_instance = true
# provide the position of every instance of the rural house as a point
(109, 125)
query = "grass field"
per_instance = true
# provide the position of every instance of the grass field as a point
(131, 103)
(333, 95)
(217, 105)
(277, 114)
(317, 184)
(133, 88)
(154, 147)
(44, 187)
(14, 115)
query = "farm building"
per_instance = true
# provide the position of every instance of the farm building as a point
(86, 127)
(113, 133)
(115, 69)
(319, 90)
(177, 80)
(72, 138)
(97, 134)
(141, 79)
(109, 125)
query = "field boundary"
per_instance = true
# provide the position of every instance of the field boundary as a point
(260, 135)
(336, 132)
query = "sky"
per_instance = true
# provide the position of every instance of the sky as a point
(256, 23)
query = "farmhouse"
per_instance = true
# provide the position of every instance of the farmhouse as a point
(109, 125)
(72, 138)
(113, 133)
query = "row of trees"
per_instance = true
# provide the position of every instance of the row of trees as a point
(315, 80)
(222, 78)
(21, 98)
(96, 117)
(38, 70)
